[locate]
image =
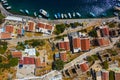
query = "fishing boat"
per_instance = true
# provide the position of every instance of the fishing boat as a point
(58, 14)
(104, 14)
(65, 15)
(55, 15)
(44, 13)
(92, 14)
(62, 16)
(4, 2)
(78, 14)
(26, 11)
(35, 14)
(8, 8)
(73, 14)
(69, 15)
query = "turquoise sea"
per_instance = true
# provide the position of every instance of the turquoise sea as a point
(101, 8)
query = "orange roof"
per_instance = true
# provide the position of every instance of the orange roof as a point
(105, 76)
(5, 35)
(38, 63)
(76, 43)
(85, 44)
(28, 60)
(63, 56)
(103, 42)
(49, 27)
(31, 26)
(17, 54)
(64, 45)
(9, 28)
(41, 25)
(19, 31)
(117, 76)
(84, 67)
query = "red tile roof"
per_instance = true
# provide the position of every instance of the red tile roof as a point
(5, 35)
(64, 45)
(105, 75)
(117, 75)
(103, 41)
(85, 44)
(49, 27)
(63, 56)
(76, 43)
(84, 66)
(38, 63)
(41, 25)
(31, 26)
(17, 54)
(9, 28)
(20, 61)
(28, 60)
(19, 31)
(106, 31)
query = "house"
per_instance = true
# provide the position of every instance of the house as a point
(17, 54)
(9, 29)
(76, 44)
(5, 36)
(98, 75)
(39, 63)
(31, 26)
(104, 30)
(44, 28)
(85, 44)
(105, 75)
(30, 52)
(117, 75)
(64, 45)
(103, 41)
(28, 60)
(84, 66)
(63, 56)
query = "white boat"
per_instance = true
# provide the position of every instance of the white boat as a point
(69, 15)
(115, 13)
(35, 14)
(6, 4)
(44, 13)
(62, 16)
(2, 0)
(21, 11)
(92, 14)
(78, 14)
(39, 16)
(65, 15)
(9, 7)
(55, 15)
(26, 11)
(73, 14)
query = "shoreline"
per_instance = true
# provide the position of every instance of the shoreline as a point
(7, 13)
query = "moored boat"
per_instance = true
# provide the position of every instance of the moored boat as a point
(92, 14)
(55, 15)
(78, 14)
(8, 8)
(26, 11)
(35, 14)
(62, 16)
(39, 16)
(115, 13)
(6, 4)
(73, 14)
(65, 15)
(44, 13)
(21, 11)
(58, 14)
(69, 15)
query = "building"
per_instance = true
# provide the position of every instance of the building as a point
(117, 75)
(113, 33)
(76, 44)
(17, 54)
(28, 60)
(31, 26)
(9, 29)
(105, 75)
(85, 44)
(63, 56)
(39, 63)
(44, 28)
(5, 36)
(13, 18)
(104, 30)
(103, 41)
(84, 66)
(30, 52)
(98, 75)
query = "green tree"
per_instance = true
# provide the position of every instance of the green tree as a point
(105, 65)
(13, 62)
(60, 28)
(58, 65)
(93, 33)
(111, 75)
